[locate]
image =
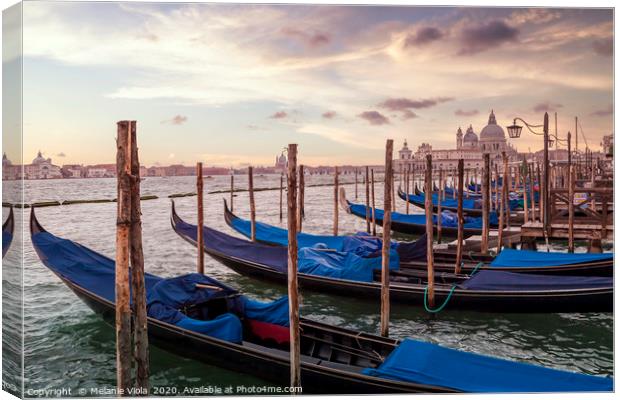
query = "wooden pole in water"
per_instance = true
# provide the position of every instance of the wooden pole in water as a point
(393, 191)
(571, 209)
(439, 206)
(484, 245)
(506, 194)
(281, 190)
(372, 191)
(385, 250)
(232, 190)
(252, 204)
(407, 188)
(460, 221)
(356, 171)
(138, 290)
(428, 205)
(293, 296)
(200, 268)
(367, 201)
(495, 201)
(502, 204)
(541, 194)
(300, 208)
(336, 201)
(526, 210)
(123, 225)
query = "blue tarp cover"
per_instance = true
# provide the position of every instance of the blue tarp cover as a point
(320, 261)
(427, 363)
(96, 273)
(449, 218)
(361, 243)
(274, 312)
(341, 265)
(530, 258)
(510, 281)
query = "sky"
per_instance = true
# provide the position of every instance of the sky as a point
(232, 85)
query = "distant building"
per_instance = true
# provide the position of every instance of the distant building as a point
(468, 147)
(40, 168)
(72, 171)
(281, 163)
(608, 145)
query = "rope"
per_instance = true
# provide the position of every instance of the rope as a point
(476, 268)
(445, 302)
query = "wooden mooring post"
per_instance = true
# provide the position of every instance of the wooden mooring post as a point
(571, 209)
(252, 204)
(387, 230)
(356, 172)
(200, 268)
(232, 190)
(281, 191)
(293, 292)
(407, 188)
(367, 201)
(129, 245)
(138, 288)
(484, 245)
(428, 206)
(439, 200)
(461, 220)
(300, 199)
(336, 201)
(503, 206)
(372, 191)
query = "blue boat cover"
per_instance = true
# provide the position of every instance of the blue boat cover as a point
(274, 312)
(341, 265)
(470, 203)
(361, 243)
(319, 261)
(430, 364)
(531, 258)
(449, 218)
(96, 273)
(510, 281)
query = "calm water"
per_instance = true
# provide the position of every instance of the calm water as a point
(67, 346)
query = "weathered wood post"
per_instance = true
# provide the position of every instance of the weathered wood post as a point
(293, 296)
(530, 171)
(385, 250)
(336, 201)
(439, 199)
(366, 181)
(526, 216)
(407, 188)
(300, 208)
(506, 194)
(461, 221)
(541, 196)
(467, 180)
(393, 191)
(502, 205)
(252, 204)
(356, 171)
(232, 190)
(372, 191)
(138, 290)
(484, 245)
(281, 190)
(571, 209)
(123, 226)
(200, 267)
(496, 189)
(428, 205)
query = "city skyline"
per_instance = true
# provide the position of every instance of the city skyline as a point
(337, 80)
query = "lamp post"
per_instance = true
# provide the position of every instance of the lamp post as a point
(514, 132)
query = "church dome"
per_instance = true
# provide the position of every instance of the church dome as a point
(492, 131)
(470, 136)
(39, 159)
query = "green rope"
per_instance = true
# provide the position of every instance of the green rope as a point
(476, 268)
(445, 302)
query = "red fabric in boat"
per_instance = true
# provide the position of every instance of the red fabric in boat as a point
(265, 330)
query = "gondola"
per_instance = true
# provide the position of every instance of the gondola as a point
(7, 232)
(360, 243)
(415, 224)
(487, 291)
(413, 254)
(220, 326)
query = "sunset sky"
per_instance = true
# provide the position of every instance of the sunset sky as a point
(233, 84)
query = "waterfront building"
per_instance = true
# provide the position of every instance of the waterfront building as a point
(469, 147)
(281, 163)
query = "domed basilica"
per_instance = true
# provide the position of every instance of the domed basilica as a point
(468, 147)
